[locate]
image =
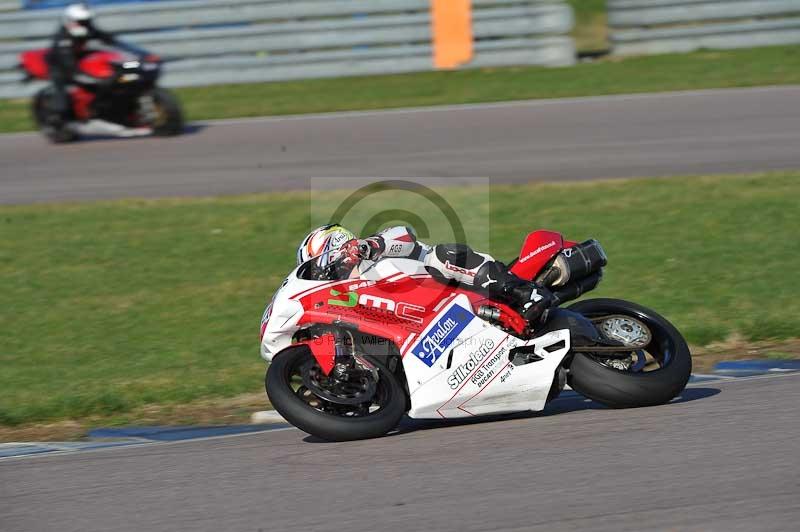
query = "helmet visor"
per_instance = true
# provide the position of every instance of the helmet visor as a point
(79, 28)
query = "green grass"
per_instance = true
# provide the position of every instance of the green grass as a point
(733, 68)
(781, 355)
(113, 305)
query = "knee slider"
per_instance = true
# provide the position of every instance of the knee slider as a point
(455, 262)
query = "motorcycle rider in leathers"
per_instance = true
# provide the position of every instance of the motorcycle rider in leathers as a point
(70, 41)
(334, 246)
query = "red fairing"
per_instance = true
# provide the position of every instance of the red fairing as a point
(35, 63)
(538, 249)
(324, 350)
(395, 308)
(100, 64)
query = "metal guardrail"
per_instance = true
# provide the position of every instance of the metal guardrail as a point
(208, 42)
(666, 26)
(47, 4)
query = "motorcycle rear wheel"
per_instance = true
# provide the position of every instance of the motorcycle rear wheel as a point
(667, 353)
(315, 415)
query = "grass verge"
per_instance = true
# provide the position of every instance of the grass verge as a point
(700, 70)
(110, 307)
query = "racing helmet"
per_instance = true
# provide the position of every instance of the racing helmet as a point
(322, 242)
(77, 19)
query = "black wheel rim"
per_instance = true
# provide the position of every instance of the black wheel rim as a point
(323, 394)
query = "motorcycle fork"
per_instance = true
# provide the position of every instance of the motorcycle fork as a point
(148, 113)
(343, 357)
(346, 359)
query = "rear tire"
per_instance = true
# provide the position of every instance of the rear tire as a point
(620, 389)
(322, 424)
(47, 121)
(169, 121)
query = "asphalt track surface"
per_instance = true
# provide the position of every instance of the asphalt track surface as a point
(722, 457)
(740, 130)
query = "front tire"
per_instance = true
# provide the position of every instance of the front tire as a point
(168, 118)
(623, 389)
(289, 402)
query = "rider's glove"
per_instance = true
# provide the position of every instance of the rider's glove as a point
(354, 251)
(372, 247)
(350, 253)
(533, 301)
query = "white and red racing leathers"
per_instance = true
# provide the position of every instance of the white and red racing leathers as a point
(454, 263)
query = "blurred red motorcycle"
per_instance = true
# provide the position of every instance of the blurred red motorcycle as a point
(114, 93)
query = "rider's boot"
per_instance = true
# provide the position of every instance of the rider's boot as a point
(460, 263)
(529, 299)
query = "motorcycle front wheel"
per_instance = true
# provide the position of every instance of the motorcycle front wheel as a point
(163, 113)
(653, 373)
(329, 409)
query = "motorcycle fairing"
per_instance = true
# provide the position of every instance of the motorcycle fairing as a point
(430, 353)
(34, 62)
(301, 302)
(477, 376)
(324, 351)
(280, 320)
(539, 247)
(100, 64)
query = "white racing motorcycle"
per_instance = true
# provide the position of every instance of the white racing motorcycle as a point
(349, 357)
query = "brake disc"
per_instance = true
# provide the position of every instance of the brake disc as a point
(631, 332)
(360, 388)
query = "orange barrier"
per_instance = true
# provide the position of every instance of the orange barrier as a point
(451, 28)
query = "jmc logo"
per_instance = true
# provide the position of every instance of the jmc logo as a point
(406, 311)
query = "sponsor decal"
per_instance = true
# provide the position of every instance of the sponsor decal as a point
(268, 311)
(410, 312)
(537, 251)
(267, 314)
(395, 249)
(363, 284)
(265, 321)
(482, 376)
(442, 334)
(504, 377)
(458, 269)
(474, 359)
(351, 301)
(403, 310)
(368, 300)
